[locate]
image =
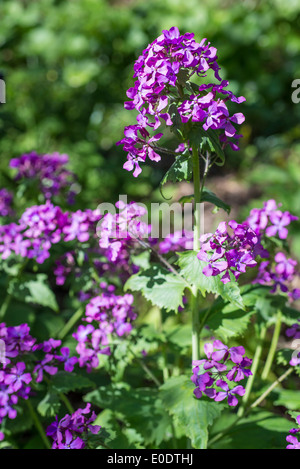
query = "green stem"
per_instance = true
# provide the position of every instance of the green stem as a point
(67, 403)
(252, 406)
(72, 321)
(195, 326)
(38, 425)
(254, 368)
(197, 198)
(270, 388)
(273, 347)
(196, 245)
(146, 369)
(5, 305)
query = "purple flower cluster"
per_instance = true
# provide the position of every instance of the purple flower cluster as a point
(175, 242)
(121, 229)
(161, 71)
(107, 314)
(5, 203)
(279, 274)
(49, 170)
(225, 253)
(41, 226)
(15, 377)
(294, 443)
(269, 220)
(72, 431)
(21, 365)
(223, 364)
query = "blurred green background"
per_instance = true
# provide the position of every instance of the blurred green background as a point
(68, 64)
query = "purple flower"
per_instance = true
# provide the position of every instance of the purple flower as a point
(17, 377)
(69, 362)
(157, 80)
(229, 394)
(295, 444)
(72, 431)
(208, 375)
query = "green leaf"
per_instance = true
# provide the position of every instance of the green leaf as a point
(118, 438)
(260, 430)
(181, 170)
(287, 398)
(191, 269)
(198, 136)
(66, 382)
(214, 140)
(49, 405)
(33, 289)
(192, 415)
(159, 286)
(229, 325)
(141, 409)
(294, 415)
(209, 196)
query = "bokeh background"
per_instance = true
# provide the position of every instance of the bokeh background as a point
(68, 64)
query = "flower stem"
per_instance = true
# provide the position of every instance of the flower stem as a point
(145, 368)
(196, 246)
(72, 321)
(254, 368)
(197, 198)
(38, 425)
(273, 347)
(67, 403)
(270, 388)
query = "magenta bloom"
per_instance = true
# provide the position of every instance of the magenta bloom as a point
(17, 377)
(229, 394)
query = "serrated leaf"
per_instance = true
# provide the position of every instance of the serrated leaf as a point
(65, 382)
(159, 286)
(49, 405)
(191, 414)
(118, 438)
(230, 325)
(197, 135)
(33, 289)
(142, 409)
(181, 170)
(191, 269)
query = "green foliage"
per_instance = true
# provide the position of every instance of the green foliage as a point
(159, 286)
(209, 196)
(33, 289)
(65, 382)
(140, 409)
(192, 416)
(49, 405)
(262, 430)
(181, 170)
(191, 269)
